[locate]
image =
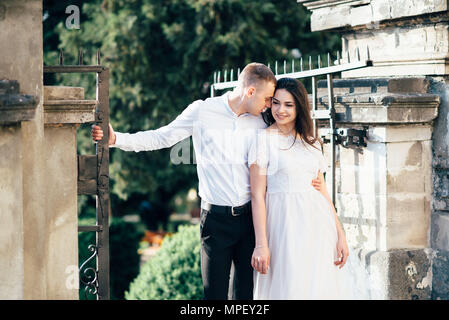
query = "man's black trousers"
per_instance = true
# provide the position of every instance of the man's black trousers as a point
(227, 237)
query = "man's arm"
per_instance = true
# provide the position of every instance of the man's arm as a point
(164, 137)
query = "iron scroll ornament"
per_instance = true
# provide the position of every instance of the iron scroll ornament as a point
(90, 281)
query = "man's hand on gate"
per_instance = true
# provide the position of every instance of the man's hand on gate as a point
(97, 134)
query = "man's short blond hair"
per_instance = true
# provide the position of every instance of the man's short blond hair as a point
(255, 73)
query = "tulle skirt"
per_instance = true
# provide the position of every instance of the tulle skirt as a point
(302, 238)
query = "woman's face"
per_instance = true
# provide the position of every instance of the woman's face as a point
(283, 107)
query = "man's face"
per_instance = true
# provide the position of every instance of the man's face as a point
(259, 97)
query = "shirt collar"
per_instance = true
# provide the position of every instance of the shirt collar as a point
(225, 98)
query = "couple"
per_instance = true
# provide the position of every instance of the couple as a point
(259, 207)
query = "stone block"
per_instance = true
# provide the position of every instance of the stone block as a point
(408, 221)
(66, 105)
(441, 185)
(410, 274)
(440, 275)
(62, 212)
(400, 133)
(416, 50)
(404, 274)
(440, 231)
(367, 207)
(405, 154)
(365, 12)
(360, 234)
(408, 85)
(11, 214)
(406, 181)
(361, 180)
(63, 93)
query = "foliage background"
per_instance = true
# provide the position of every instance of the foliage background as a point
(174, 273)
(124, 238)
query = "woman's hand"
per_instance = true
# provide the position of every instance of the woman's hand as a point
(342, 250)
(316, 183)
(260, 260)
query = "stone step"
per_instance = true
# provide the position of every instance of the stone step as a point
(9, 86)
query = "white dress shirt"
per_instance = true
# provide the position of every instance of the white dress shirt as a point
(221, 140)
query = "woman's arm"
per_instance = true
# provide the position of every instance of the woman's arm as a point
(342, 246)
(261, 255)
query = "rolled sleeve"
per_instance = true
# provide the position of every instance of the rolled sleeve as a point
(164, 137)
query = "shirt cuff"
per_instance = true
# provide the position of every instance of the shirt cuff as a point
(118, 140)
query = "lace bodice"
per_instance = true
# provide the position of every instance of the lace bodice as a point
(289, 167)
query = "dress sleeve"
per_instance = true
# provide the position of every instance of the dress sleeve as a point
(164, 137)
(258, 150)
(322, 163)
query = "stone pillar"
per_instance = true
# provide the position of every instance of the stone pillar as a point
(64, 109)
(384, 190)
(22, 60)
(15, 109)
(393, 197)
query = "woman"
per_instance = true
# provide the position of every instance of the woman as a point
(301, 247)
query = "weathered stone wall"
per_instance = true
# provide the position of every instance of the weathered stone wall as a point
(11, 227)
(440, 197)
(396, 193)
(38, 164)
(350, 14)
(384, 190)
(22, 60)
(64, 109)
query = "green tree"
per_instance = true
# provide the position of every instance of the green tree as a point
(162, 55)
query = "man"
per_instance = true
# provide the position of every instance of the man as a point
(221, 129)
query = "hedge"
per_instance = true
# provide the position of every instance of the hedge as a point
(174, 273)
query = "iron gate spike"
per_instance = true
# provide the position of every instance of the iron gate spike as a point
(98, 56)
(61, 58)
(80, 57)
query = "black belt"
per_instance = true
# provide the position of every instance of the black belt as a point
(235, 211)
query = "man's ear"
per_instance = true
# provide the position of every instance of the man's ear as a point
(250, 91)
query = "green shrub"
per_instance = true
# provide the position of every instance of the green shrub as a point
(174, 272)
(124, 238)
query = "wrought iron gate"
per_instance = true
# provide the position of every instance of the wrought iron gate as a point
(347, 137)
(93, 179)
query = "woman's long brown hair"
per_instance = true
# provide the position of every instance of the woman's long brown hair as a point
(303, 121)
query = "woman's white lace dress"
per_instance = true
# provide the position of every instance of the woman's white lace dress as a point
(301, 229)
